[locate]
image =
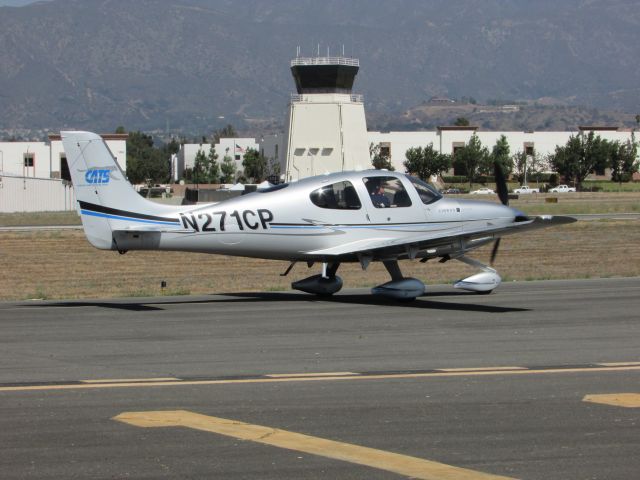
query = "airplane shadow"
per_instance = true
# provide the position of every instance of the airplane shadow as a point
(142, 306)
(424, 302)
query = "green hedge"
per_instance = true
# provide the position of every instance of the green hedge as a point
(455, 179)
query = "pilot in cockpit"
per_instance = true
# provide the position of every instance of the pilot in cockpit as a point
(378, 198)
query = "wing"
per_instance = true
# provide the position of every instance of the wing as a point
(381, 247)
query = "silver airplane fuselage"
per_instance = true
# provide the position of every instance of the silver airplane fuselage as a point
(285, 224)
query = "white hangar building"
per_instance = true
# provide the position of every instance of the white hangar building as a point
(232, 147)
(34, 176)
(447, 139)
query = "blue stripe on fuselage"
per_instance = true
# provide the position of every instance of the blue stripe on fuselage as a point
(339, 227)
(128, 219)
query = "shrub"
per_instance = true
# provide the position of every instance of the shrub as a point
(455, 179)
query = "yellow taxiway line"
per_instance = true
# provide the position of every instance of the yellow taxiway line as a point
(392, 462)
(336, 376)
(619, 364)
(627, 400)
(481, 369)
(299, 375)
(128, 380)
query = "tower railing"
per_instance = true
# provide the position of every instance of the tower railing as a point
(353, 97)
(352, 62)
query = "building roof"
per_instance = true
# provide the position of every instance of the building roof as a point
(598, 128)
(106, 136)
(458, 127)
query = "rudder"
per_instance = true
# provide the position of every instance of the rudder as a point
(107, 200)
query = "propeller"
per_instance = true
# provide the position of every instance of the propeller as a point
(503, 195)
(501, 183)
(494, 252)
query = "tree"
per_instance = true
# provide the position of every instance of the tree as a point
(173, 146)
(228, 169)
(379, 158)
(274, 168)
(226, 132)
(255, 165)
(534, 165)
(425, 162)
(199, 167)
(461, 122)
(500, 154)
(520, 166)
(145, 164)
(212, 168)
(468, 158)
(580, 156)
(623, 160)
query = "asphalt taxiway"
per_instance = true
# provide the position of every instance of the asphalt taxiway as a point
(538, 380)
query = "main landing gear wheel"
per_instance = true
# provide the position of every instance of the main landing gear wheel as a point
(324, 285)
(399, 288)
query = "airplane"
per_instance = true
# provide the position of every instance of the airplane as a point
(363, 216)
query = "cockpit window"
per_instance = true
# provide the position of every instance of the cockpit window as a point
(387, 192)
(426, 192)
(338, 196)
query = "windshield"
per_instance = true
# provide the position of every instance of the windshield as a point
(426, 192)
(272, 188)
(387, 192)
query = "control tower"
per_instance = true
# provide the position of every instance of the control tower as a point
(326, 126)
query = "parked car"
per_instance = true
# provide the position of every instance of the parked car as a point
(562, 189)
(525, 189)
(483, 191)
(452, 191)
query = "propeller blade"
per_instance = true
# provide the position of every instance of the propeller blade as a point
(501, 183)
(494, 252)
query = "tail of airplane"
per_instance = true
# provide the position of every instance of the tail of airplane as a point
(107, 202)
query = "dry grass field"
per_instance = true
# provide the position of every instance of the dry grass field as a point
(578, 203)
(61, 264)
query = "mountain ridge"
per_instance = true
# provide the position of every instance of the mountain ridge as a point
(150, 64)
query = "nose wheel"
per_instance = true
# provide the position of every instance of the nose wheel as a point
(483, 282)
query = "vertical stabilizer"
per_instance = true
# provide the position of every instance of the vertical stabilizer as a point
(106, 199)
